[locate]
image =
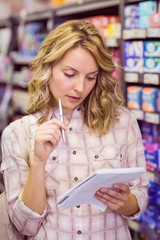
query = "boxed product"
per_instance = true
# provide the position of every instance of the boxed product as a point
(150, 99)
(114, 30)
(144, 21)
(131, 11)
(133, 49)
(134, 97)
(131, 16)
(148, 131)
(154, 20)
(152, 65)
(152, 155)
(152, 49)
(147, 7)
(131, 22)
(149, 217)
(133, 64)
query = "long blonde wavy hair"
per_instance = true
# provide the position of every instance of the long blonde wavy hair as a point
(101, 106)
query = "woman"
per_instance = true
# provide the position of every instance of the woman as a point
(74, 65)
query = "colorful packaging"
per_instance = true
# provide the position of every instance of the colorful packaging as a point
(133, 49)
(152, 65)
(148, 131)
(134, 94)
(152, 154)
(133, 65)
(151, 48)
(150, 99)
(147, 7)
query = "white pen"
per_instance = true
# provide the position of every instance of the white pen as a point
(61, 118)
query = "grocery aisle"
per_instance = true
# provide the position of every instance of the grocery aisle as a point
(131, 29)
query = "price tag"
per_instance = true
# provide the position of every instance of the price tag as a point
(153, 32)
(134, 225)
(152, 118)
(139, 114)
(131, 77)
(150, 176)
(134, 33)
(151, 79)
(112, 42)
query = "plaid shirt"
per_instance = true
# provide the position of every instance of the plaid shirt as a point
(68, 164)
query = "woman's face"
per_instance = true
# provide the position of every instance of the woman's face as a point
(73, 78)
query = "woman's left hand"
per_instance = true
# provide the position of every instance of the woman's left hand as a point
(115, 197)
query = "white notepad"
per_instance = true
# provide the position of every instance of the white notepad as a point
(84, 192)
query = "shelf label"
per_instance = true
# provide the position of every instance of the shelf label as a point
(152, 118)
(131, 77)
(151, 79)
(134, 33)
(133, 225)
(112, 42)
(139, 114)
(153, 32)
(150, 176)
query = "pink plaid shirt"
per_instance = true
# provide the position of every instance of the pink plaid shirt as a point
(68, 164)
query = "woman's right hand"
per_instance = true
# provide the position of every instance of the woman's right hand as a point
(47, 137)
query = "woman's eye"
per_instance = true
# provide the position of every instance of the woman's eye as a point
(69, 75)
(91, 78)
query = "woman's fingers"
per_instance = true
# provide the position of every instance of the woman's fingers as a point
(114, 197)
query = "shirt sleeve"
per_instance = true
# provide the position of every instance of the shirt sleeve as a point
(15, 172)
(136, 158)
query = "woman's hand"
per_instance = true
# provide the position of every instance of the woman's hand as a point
(47, 137)
(115, 198)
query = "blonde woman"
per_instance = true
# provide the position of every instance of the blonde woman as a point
(74, 65)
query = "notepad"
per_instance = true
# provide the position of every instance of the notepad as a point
(84, 192)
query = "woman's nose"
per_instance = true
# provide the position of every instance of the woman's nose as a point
(79, 85)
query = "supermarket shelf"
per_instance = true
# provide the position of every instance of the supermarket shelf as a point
(67, 9)
(153, 177)
(141, 33)
(35, 16)
(5, 23)
(147, 116)
(113, 42)
(139, 227)
(19, 59)
(133, 1)
(85, 7)
(153, 32)
(143, 78)
(134, 34)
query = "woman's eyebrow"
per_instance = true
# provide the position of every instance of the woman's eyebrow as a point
(71, 68)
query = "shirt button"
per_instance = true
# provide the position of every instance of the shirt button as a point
(70, 129)
(78, 206)
(76, 179)
(79, 232)
(96, 156)
(74, 152)
(53, 158)
(78, 109)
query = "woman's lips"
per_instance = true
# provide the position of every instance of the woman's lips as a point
(74, 99)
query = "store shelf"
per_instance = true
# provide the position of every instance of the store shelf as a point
(147, 116)
(153, 32)
(139, 114)
(152, 117)
(113, 42)
(153, 177)
(5, 23)
(19, 59)
(85, 7)
(143, 78)
(134, 34)
(139, 227)
(35, 16)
